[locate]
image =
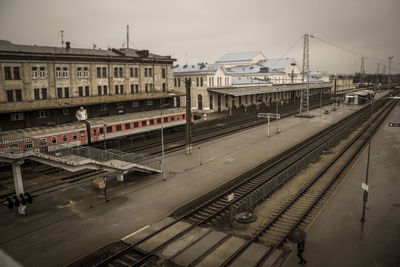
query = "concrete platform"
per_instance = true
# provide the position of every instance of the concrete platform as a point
(337, 237)
(60, 227)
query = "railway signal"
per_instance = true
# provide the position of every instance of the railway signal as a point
(16, 201)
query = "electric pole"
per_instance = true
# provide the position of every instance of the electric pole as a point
(188, 83)
(304, 94)
(390, 71)
(127, 36)
(362, 72)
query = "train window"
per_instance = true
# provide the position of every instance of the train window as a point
(82, 133)
(54, 140)
(65, 139)
(14, 145)
(144, 123)
(165, 119)
(135, 124)
(109, 129)
(172, 118)
(178, 118)
(151, 122)
(183, 116)
(118, 127)
(158, 120)
(101, 130)
(43, 142)
(94, 131)
(74, 136)
(28, 144)
(127, 126)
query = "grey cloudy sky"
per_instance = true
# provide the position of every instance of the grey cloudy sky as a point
(204, 30)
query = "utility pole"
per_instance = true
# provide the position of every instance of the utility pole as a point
(377, 74)
(362, 71)
(188, 83)
(390, 71)
(62, 39)
(304, 94)
(127, 36)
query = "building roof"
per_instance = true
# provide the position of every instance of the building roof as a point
(242, 91)
(9, 47)
(251, 69)
(241, 82)
(240, 56)
(276, 63)
(198, 68)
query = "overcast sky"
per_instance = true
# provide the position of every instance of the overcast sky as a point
(204, 30)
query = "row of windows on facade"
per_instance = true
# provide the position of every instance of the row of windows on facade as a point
(16, 95)
(13, 73)
(199, 81)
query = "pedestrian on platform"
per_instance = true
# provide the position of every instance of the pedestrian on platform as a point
(299, 236)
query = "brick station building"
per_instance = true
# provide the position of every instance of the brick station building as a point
(42, 85)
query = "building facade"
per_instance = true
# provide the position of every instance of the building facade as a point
(46, 85)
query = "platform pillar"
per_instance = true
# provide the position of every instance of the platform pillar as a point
(120, 177)
(19, 186)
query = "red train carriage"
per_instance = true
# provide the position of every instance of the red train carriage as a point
(99, 128)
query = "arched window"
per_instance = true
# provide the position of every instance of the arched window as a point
(199, 102)
(211, 102)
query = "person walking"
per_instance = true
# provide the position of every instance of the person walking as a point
(298, 236)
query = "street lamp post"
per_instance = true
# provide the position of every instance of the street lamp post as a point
(162, 144)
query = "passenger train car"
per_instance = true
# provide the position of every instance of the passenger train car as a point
(92, 130)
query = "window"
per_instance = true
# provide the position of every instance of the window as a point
(131, 74)
(201, 81)
(101, 131)
(17, 116)
(165, 119)
(98, 72)
(79, 72)
(94, 131)
(163, 73)
(116, 72)
(80, 90)
(14, 145)
(211, 102)
(43, 142)
(28, 144)
(149, 102)
(150, 72)
(86, 72)
(151, 122)
(99, 91)
(116, 89)
(127, 126)
(120, 105)
(104, 72)
(74, 136)
(64, 138)
(118, 127)
(18, 95)
(144, 123)
(58, 72)
(65, 72)
(103, 107)
(54, 140)
(121, 72)
(172, 118)
(36, 93)
(87, 91)
(109, 129)
(132, 88)
(135, 104)
(175, 82)
(136, 72)
(121, 89)
(158, 120)
(145, 72)
(163, 87)
(66, 92)
(135, 124)
(183, 116)
(105, 89)
(82, 134)
(34, 73)
(43, 114)
(199, 102)
(59, 92)
(42, 72)
(7, 73)
(44, 93)
(151, 87)
(179, 82)
(137, 88)
(16, 73)
(197, 81)
(146, 88)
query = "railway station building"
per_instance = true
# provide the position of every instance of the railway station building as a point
(241, 80)
(41, 86)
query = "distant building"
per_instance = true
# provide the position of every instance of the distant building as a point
(42, 85)
(240, 59)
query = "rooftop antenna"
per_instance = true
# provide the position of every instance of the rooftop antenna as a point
(62, 39)
(127, 36)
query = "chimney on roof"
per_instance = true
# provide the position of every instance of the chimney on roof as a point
(67, 45)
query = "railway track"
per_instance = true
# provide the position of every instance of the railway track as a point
(268, 176)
